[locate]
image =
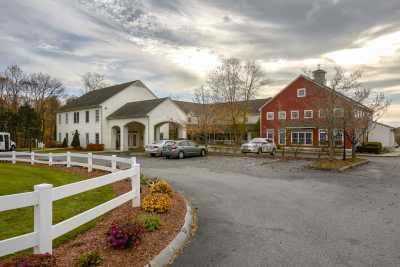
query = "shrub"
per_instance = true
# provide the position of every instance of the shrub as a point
(36, 260)
(158, 202)
(95, 147)
(161, 186)
(90, 259)
(144, 180)
(75, 140)
(124, 236)
(150, 222)
(370, 147)
(65, 142)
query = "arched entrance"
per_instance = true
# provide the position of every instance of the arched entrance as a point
(134, 136)
(169, 130)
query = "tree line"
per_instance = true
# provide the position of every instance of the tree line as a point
(28, 105)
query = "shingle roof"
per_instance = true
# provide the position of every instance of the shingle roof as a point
(136, 109)
(96, 97)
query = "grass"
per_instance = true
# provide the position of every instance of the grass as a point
(20, 178)
(326, 164)
(54, 150)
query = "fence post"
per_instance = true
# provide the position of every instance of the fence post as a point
(68, 159)
(135, 182)
(50, 159)
(113, 163)
(133, 162)
(90, 162)
(14, 157)
(32, 158)
(43, 218)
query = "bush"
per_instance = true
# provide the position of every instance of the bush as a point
(54, 144)
(75, 140)
(90, 259)
(159, 203)
(150, 222)
(370, 147)
(36, 260)
(124, 236)
(161, 186)
(144, 180)
(65, 142)
(95, 147)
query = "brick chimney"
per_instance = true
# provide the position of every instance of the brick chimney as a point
(319, 76)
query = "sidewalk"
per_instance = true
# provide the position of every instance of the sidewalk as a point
(395, 153)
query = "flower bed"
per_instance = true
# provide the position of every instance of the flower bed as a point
(125, 236)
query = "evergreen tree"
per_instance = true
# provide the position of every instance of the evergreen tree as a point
(75, 140)
(29, 124)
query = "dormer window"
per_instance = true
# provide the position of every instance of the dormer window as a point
(301, 92)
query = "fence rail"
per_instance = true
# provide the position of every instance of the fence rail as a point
(44, 195)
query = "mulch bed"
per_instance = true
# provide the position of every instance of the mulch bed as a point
(95, 239)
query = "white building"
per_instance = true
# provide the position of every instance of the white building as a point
(382, 133)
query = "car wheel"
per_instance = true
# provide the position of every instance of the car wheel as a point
(181, 155)
(12, 148)
(152, 155)
(166, 157)
(203, 153)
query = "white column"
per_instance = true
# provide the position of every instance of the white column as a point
(43, 218)
(122, 138)
(182, 132)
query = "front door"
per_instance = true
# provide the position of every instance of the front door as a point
(133, 140)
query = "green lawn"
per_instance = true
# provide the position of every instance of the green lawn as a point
(21, 178)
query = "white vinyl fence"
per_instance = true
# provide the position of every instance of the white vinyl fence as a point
(44, 195)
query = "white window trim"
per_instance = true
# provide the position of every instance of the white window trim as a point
(97, 118)
(279, 115)
(319, 135)
(334, 135)
(279, 136)
(273, 115)
(320, 112)
(300, 90)
(308, 110)
(342, 112)
(302, 131)
(294, 111)
(273, 134)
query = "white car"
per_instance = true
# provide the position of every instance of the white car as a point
(259, 145)
(5, 143)
(156, 149)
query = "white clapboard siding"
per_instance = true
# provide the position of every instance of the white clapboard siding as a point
(86, 216)
(18, 243)
(16, 201)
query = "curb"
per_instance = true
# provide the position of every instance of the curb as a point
(168, 253)
(353, 165)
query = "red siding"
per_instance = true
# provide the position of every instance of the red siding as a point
(288, 101)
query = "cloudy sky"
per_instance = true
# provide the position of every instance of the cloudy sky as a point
(171, 45)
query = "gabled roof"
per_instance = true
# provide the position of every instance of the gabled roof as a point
(95, 98)
(137, 109)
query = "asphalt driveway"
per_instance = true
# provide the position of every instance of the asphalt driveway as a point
(259, 212)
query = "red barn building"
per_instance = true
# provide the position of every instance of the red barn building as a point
(296, 115)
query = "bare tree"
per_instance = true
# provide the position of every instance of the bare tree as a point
(235, 83)
(13, 77)
(205, 117)
(93, 81)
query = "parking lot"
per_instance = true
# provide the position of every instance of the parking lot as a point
(263, 212)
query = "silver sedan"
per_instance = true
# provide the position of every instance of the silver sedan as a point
(156, 149)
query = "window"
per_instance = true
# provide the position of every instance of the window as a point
(308, 114)
(338, 136)
(322, 113)
(59, 118)
(66, 118)
(66, 138)
(282, 115)
(59, 137)
(294, 114)
(270, 134)
(76, 117)
(87, 138)
(97, 115)
(339, 112)
(1, 138)
(301, 92)
(302, 137)
(282, 136)
(270, 116)
(97, 136)
(87, 114)
(323, 137)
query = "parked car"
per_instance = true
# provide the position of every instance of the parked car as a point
(156, 149)
(5, 143)
(183, 149)
(259, 145)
